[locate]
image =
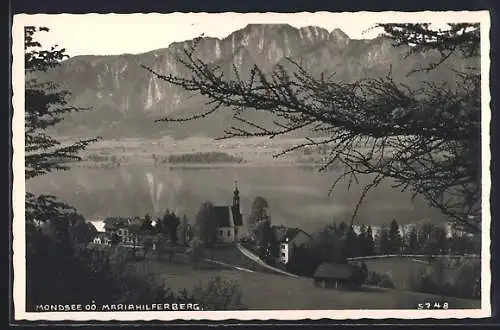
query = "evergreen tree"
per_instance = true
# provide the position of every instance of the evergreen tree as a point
(458, 243)
(370, 244)
(439, 239)
(264, 237)
(425, 238)
(333, 228)
(362, 241)
(183, 231)
(159, 243)
(342, 229)
(196, 251)
(413, 245)
(323, 244)
(189, 233)
(205, 225)
(258, 213)
(171, 222)
(164, 222)
(383, 241)
(147, 225)
(340, 253)
(394, 238)
(352, 248)
(158, 227)
(136, 229)
(52, 271)
(46, 105)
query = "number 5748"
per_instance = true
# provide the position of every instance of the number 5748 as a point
(435, 305)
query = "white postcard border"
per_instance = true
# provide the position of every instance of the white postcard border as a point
(18, 193)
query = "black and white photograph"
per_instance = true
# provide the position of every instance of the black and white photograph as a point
(251, 166)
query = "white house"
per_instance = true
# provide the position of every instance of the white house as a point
(102, 239)
(289, 239)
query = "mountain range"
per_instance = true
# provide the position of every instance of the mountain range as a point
(126, 99)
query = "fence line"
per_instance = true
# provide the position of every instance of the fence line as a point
(386, 256)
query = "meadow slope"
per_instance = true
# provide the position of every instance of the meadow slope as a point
(268, 291)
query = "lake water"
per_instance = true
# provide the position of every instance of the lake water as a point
(297, 197)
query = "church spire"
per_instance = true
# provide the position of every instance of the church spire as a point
(236, 195)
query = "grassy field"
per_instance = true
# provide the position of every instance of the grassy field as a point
(268, 291)
(400, 269)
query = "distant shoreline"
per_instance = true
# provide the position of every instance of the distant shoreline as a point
(202, 165)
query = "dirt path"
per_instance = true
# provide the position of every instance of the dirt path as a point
(255, 258)
(228, 265)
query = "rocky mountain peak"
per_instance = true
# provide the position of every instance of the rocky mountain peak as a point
(339, 37)
(121, 92)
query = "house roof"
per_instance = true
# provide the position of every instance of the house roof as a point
(116, 222)
(101, 234)
(330, 270)
(282, 233)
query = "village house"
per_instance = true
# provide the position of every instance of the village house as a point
(289, 239)
(102, 239)
(338, 276)
(119, 226)
(229, 220)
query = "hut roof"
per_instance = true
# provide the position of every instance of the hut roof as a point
(335, 271)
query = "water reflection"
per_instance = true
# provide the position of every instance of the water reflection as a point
(296, 195)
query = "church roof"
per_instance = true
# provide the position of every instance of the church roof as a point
(223, 217)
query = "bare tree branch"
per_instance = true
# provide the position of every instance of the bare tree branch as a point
(426, 140)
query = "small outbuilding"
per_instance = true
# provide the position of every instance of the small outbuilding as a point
(338, 276)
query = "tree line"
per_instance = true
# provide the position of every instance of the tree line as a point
(338, 242)
(198, 158)
(425, 238)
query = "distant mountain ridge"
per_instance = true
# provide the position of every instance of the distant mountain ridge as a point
(126, 99)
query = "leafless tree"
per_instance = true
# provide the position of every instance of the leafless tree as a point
(427, 140)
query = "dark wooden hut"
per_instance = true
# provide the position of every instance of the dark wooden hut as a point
(338, 276)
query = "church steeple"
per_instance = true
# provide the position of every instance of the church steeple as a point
(236, 196)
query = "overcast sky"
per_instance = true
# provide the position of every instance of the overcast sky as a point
(106, 34)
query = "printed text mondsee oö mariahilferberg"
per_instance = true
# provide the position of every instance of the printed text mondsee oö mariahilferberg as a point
(118, 307)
